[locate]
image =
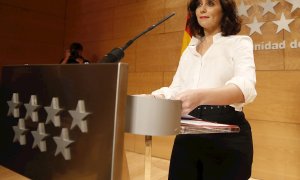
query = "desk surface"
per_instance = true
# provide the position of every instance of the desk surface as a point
(9, 174)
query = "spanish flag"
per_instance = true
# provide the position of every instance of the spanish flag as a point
(186, 37)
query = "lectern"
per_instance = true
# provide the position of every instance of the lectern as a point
(63, 121)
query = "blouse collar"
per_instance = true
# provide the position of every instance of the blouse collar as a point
(195, 40)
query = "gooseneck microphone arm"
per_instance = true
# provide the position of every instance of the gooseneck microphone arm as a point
(147, 30)
(116, 54)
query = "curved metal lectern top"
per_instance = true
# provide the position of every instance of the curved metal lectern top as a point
(146, 115)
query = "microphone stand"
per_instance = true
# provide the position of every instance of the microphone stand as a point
(116, 54)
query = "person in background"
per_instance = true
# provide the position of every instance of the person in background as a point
(73, 55)
(215, 79)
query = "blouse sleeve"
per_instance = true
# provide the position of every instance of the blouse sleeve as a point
(244, 68)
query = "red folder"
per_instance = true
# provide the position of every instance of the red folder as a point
(193, 125)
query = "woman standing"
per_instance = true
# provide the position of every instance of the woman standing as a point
(214, 80)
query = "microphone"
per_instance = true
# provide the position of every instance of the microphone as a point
(116, 54)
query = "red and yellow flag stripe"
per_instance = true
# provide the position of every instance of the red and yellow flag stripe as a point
(186, 37)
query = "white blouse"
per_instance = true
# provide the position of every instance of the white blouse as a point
(228, 60)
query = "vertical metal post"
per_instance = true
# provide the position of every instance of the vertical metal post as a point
(148, 149)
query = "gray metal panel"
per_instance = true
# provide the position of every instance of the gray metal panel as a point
(146, 115)
(95, 154)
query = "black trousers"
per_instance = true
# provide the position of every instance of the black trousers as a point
(225, 156)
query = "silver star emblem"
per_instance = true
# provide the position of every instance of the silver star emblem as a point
(243, 9)
(39, 137)
(78, 116)
(255, 26)
(20, 132)
(62, 142)
(295, 3)
(283, 23)
(269, 7)
(53, 112)
(14, 105)
(31, 109)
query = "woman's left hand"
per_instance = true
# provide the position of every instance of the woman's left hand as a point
(190, 100)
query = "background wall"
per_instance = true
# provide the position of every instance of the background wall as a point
(31, 32)
(38, 32)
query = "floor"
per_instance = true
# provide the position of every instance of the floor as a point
(159, 168)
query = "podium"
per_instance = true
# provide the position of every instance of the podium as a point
(63, 121)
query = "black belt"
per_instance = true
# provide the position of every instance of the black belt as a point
(211, 109)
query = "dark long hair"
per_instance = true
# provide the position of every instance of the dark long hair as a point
(230, 22)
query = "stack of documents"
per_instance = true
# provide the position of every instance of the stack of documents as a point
(192, 125)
